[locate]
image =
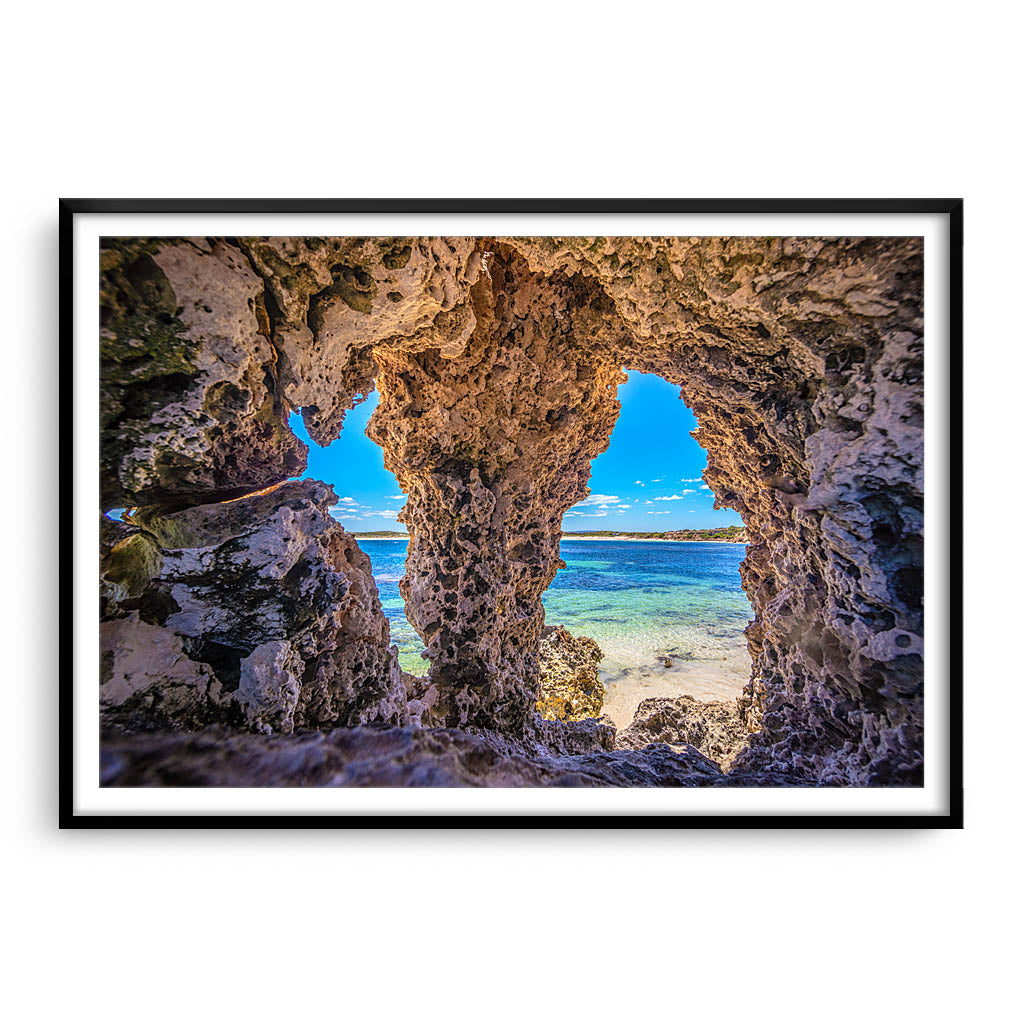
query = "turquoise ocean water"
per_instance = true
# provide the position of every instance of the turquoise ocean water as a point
(642, 601)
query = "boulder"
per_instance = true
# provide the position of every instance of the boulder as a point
(715, 728)
(570, 688)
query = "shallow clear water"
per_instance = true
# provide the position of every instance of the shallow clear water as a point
(642, 601)
(647, 599)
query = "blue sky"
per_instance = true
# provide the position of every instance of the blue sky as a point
(648, 479)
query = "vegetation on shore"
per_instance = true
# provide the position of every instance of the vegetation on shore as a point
(735, 534)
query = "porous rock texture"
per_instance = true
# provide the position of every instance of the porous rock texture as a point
(570, 686)
(264, 604)
(715, 727)
(190, 410)
(401, 756)
(497, 363)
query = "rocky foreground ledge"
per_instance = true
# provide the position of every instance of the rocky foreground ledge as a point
(401, 757)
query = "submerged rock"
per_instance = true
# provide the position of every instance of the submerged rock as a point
(570, 688)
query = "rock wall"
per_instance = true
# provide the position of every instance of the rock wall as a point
(259, 612)
(189, 404)
(497, 362)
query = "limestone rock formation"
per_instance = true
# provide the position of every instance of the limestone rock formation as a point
(570, 688)
(366, 756)
(715, 728)
(492, 446)
(330, 300)
(268, 596)
(497, 363)
(189, 408)
(147, 680)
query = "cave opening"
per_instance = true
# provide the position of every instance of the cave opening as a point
(494, 367)
(651, 566)
(369, 502)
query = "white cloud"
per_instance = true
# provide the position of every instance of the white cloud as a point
(691, 480)
(704, 487)
(639, 483)
(347, 501)
(361, 512)
(657, 480)
(648, 502)
(598, 500)
(625, 506)
(664, 513)
(676, 497)
(396, 497)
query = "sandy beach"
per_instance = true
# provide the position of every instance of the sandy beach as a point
(704, 680)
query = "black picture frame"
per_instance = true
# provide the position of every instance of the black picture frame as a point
(951, 208)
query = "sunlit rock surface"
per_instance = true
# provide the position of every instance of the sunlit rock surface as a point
(715, 728)
(497, 362)
(570, 688)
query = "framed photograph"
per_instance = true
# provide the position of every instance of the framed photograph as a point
(545, 513)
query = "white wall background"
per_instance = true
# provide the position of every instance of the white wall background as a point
(525, 99)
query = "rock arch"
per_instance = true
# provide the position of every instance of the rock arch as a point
(497, 362)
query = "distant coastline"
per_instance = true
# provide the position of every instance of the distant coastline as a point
(719, 535)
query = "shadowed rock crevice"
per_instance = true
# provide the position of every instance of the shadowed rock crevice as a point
(497, 363)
